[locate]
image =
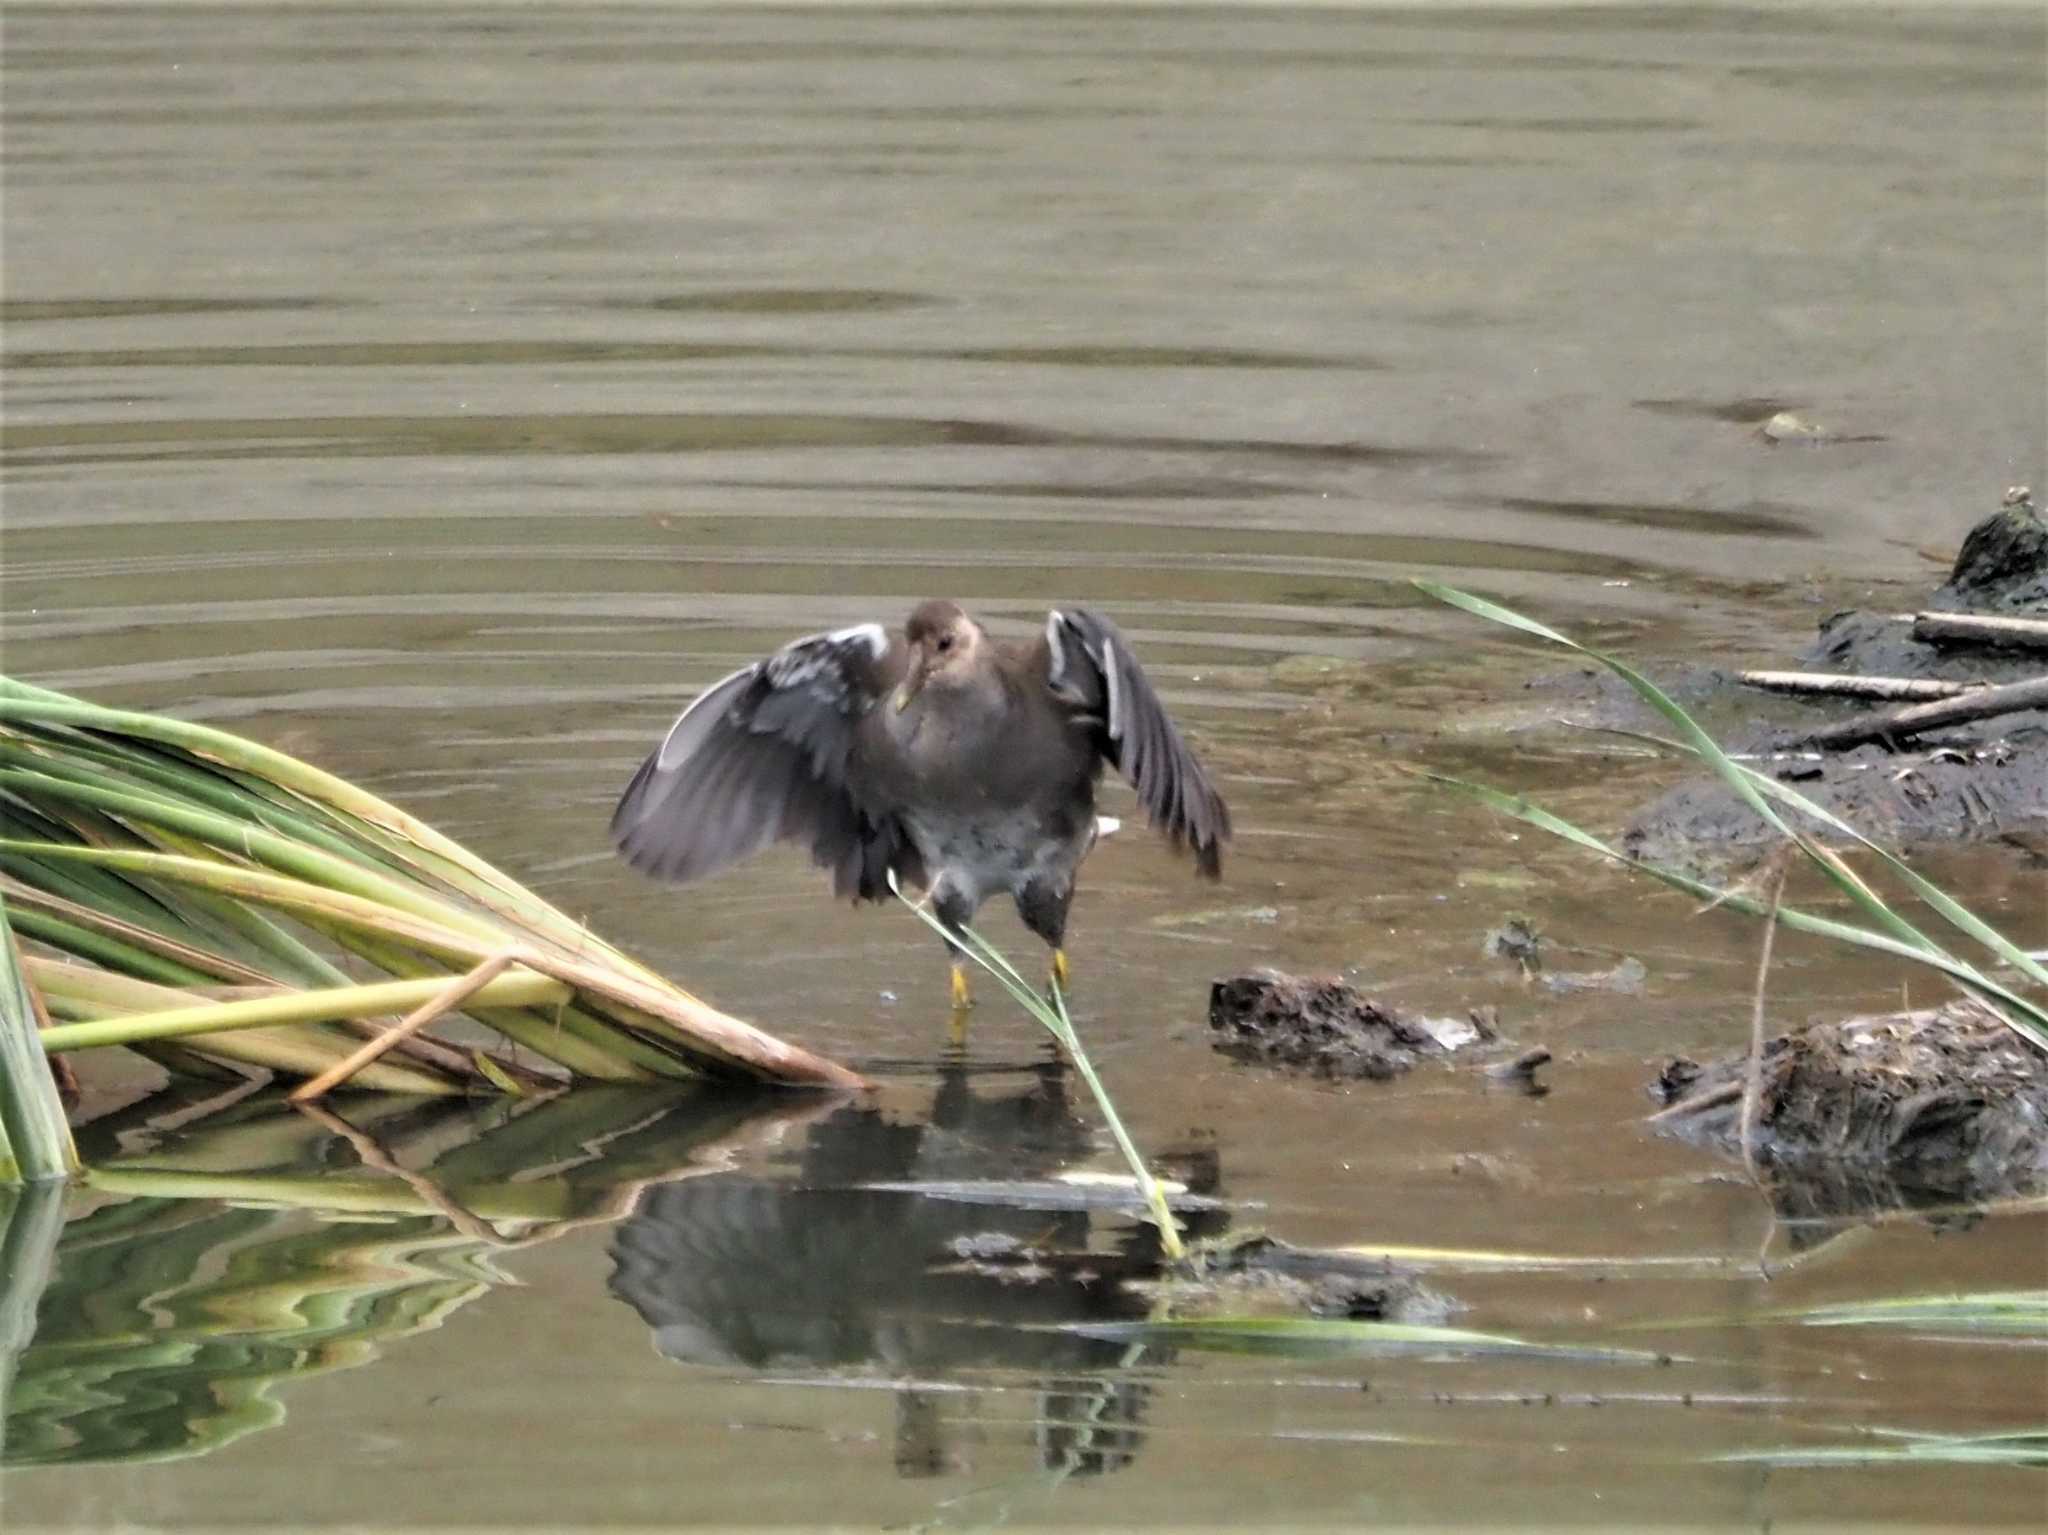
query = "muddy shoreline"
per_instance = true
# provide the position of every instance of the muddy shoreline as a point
(1971, 780)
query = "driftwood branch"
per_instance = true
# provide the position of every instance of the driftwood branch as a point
(1977, 704)
(1832, 684)
(1981, 629)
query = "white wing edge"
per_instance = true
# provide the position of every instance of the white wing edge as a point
(874, 636)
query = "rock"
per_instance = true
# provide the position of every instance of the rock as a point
(1789, 426)
(2003, 564)
(1326, 1027)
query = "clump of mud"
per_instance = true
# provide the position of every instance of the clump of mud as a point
(1321, 1025)
(1941, 1106)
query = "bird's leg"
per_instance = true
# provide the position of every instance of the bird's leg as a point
(1043, 906)
(955, 910)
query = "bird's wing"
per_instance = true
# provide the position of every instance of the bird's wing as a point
(762, 756)
(1090, 668)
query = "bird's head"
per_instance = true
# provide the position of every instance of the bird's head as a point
(945, 647)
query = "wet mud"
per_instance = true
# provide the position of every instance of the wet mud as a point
(1978, 779)
(1939, 1106)
(1320, 1025)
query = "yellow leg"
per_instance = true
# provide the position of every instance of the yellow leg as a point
(1059, 968)
(963, 1004)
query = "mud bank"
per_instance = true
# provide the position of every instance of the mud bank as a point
(1939, 1106)
(1972, 779)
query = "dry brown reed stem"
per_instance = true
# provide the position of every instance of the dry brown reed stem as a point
(1752, 1082)
(1698, 1103)
(447, 999)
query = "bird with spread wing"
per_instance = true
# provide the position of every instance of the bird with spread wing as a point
(958, 762)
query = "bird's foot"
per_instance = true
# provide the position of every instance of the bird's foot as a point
(963, 1003)
(1058, 979)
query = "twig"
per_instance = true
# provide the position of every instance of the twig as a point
(449, 997)
(1698, 1103)
(1834, 685)
(1981, 629)
(1752, 1082)
(1977, 704)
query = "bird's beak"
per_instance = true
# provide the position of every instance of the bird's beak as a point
(913, 684)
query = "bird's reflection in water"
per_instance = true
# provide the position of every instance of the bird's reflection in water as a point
(828, 1273)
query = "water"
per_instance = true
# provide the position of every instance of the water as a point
(445, 395)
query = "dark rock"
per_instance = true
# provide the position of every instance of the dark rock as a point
(2003, 564)
(1322, 1025)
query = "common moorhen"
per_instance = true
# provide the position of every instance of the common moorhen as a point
(965, 764)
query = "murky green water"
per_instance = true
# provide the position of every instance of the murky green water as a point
(444, 395)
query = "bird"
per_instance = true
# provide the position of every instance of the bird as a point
(938, 756)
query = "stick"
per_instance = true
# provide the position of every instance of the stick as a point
(1698, 1103)
(1977, 704)
(449, 997)
(1753, 1078)
(1981, 629)
(1829, 684)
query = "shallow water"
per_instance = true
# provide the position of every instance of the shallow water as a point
(444, 395)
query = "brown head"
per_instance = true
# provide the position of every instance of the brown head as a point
(945, 647)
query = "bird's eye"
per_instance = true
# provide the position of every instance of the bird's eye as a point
(945, 642)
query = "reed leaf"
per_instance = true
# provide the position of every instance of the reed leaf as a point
(1894, 932)
(184, 855)
(35, 1139)
(1945, 905)
(1053, 1015)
